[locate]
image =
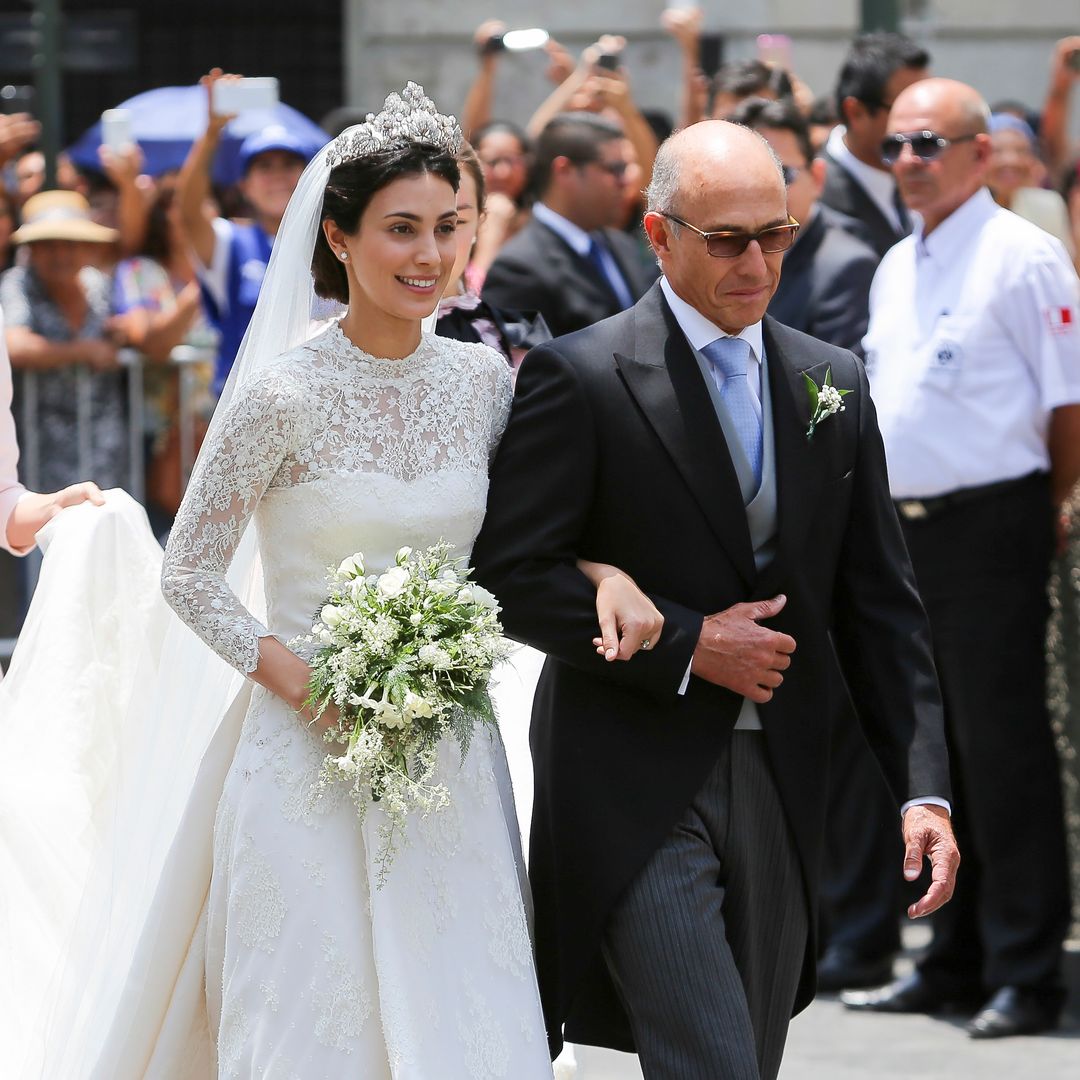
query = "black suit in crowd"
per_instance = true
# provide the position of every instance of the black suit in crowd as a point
(614, 453)
(824, 288)
(862, 894)
(538, 271)
(855, 210)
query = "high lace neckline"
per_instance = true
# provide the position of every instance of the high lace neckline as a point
(349, 350)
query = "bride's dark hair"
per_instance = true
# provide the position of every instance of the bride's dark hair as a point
(350, 188)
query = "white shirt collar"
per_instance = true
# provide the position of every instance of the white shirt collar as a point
(700, 331)
(877, 183)
(960, 227)
(575, 236)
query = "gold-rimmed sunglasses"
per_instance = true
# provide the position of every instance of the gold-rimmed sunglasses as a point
(730, 245)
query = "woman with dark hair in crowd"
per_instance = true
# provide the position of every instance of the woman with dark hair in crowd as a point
(297, 931)
(505, 155)
(463, 315)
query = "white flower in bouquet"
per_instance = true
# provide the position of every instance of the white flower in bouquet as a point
(352, 567)
(393, 581)
(331, 616)
(405, 657)
(485, 598)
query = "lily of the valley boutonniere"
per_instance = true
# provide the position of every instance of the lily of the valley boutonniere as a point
(825, 400)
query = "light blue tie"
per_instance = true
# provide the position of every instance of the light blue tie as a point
(731, 356)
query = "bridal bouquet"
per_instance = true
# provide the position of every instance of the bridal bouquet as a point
(405, 656)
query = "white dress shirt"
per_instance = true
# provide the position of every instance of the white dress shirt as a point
(972, 343)
(877, 183)
(580, 241)
(699, 332)
(11, 491)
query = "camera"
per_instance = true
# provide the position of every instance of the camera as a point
(515, 41)
(16, 99)
(608, 61)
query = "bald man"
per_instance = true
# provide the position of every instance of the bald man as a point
(680, 796)
(973, 353)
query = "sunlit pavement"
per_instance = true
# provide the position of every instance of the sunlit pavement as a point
(828, 1042)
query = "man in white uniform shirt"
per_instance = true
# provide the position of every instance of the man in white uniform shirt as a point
(973, 353)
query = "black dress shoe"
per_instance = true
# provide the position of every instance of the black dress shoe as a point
(843, 969)
(1013, 1011)
(911, 994)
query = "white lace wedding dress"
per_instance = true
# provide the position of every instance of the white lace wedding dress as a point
(312, 970)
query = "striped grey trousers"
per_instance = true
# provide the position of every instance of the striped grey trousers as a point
(707, 944)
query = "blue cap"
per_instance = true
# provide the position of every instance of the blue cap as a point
(275, 137)
(1009, 122)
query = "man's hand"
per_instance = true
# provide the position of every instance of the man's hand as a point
(483, 34)
(17, 132)
(122, 167)
(928, 834)
(684, 25)
(1062, 73)
(560, 64)
(735, 652)
(215, 121)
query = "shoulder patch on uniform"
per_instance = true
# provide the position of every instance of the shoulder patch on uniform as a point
(1061, 320)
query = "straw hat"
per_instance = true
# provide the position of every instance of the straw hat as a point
(60, 215)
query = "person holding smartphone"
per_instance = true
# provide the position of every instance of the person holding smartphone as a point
(230, 257)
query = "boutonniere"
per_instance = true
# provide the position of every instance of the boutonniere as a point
(825, 400)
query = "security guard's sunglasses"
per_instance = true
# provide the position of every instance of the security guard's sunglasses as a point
(925, 145)
(730, 245)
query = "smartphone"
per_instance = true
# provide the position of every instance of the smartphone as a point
(609, 61)
(711, 54)
(242, 95)
(775, 49)
(116, 129)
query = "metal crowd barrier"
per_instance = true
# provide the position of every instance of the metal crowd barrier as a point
(183, 358)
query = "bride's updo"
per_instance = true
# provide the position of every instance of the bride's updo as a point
(349, 189)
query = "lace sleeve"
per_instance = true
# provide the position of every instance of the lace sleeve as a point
(501, 398)
(235, 469)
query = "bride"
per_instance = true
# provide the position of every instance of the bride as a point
(292, 960)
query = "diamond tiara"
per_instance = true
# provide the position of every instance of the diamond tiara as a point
(408, 117)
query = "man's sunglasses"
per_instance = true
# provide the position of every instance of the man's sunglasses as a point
(925, 145)
(730, 245)
(616, 168)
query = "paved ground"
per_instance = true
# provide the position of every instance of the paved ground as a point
(827, 1042)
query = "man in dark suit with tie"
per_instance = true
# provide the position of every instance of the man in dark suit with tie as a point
(824, 290)
(680, 797)
(858, 186)
(568, 262)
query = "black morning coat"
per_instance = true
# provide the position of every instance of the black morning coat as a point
(614, 453)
